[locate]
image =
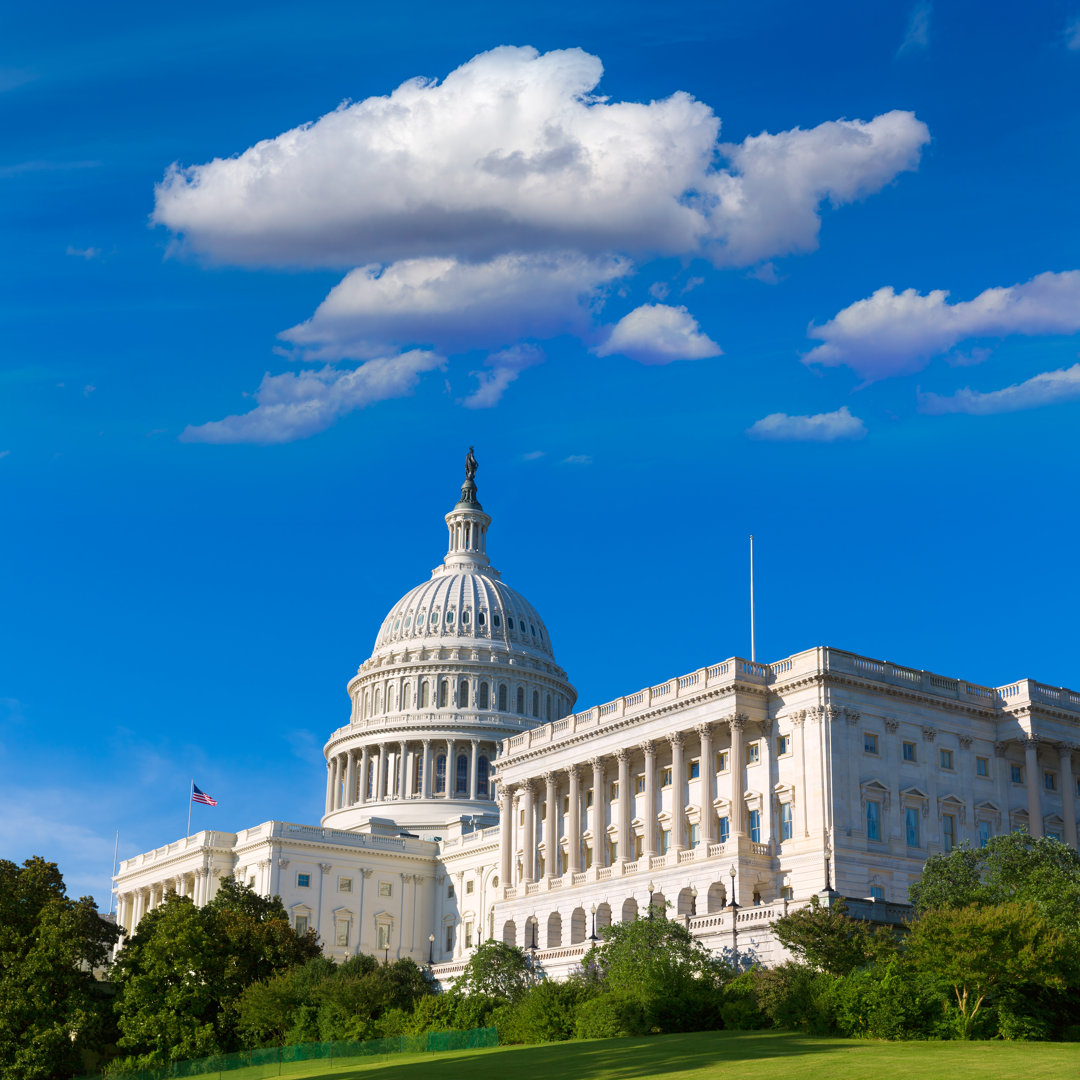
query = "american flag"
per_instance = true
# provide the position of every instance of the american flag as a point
(201, 797)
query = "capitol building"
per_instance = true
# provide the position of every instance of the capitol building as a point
(466, 799)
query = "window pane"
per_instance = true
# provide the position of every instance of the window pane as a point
(873, 821)
(911, 818)
(755, 826)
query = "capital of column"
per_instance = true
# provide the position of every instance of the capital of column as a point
(738, 721)
(649, 748)
(1065, 749)
(1000, 748)
(573, 773)
(622, 754)
(367, 872)
(704, 731)
(676, 738)
(281, 863)
(929, 734)
(326, 867)
(891, 725)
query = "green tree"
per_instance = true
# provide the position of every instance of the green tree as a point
(52, 1008)
(829, 940)
(497, 970)
(981, 950)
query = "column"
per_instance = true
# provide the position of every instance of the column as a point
(737, 772)
(599, 835)
(402, 774)
(425, 775)
(334, 778)
(1034, 782)
(551, 832)
(451, 769)
(474, 765)
(707, 774)
(329, 785)
(123, 911)
(506, 831)
(678, 800)
(649, 814)
(573, 827)
(350, 780)
(365, 759)
(626, 840)
(380, 774)
(529, 842)
(1068, 793)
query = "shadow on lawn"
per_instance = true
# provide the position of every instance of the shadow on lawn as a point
(610, 1059)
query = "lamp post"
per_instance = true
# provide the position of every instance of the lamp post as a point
(734, 922)
(592, 936)
(693, 905)
(386, 956)
(828, 865)
(652, 889)
(532, 953)
(431, 950)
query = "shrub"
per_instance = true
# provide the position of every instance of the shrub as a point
(545, 1013)
(610, 1016)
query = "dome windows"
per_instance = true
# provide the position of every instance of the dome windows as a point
(481, 618)
(521, 700)
(397, 625)
(408, 621)
(463, 694)
(449, 618)
(503, 699)
(483, 696)
(465, 616)
(497, 618)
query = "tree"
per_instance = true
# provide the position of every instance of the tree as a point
(497, 970)
(982, 949)
(52, 1008)
(829, 940)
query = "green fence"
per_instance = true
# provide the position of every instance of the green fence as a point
(282, 1060)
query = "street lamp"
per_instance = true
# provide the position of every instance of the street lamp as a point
(532, 952)
(734, 922)
(431, 950)
(652, 889)
(592, 936)
(828, 864)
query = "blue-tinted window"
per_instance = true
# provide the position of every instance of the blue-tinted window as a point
(873, 821)
(755, 826)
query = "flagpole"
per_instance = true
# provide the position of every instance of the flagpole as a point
(753, 652)
(191, 791)
(112, 886)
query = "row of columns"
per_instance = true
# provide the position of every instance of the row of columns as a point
(1033, 776)
(132, 905)
(347, 773)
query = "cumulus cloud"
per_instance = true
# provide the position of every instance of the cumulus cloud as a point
(1046, 388)
(1072, 34)
(821, 427)
(84, 253)
(917, 34)
(892, 333)
(504, 367)
(296, 405)
(658, 334)
(578, 459)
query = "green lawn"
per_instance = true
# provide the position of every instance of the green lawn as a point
(739, 1055)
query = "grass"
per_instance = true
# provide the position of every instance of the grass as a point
(706, 1055)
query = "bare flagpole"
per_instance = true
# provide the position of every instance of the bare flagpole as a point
(753, 651)
(191, 791)
(116, 849)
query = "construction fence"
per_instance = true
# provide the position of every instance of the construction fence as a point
(285, 1060)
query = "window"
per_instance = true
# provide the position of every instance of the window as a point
(982, 766)
(303, 881)
(465, 617)
(1016, 773)
(468, 935)
(449, 939)
(345, 884)
(869, 742)
(613, 789)
(521, 700)
(481, 618)
(755, 826)
(877, 892)
(909, 752)
(463, 694)
(462, 778)
(948, 831)
(536, 704)
(449, 890)
(497, 619)
(873, 821)
(483, 697)
(502, 698)
(783, 745)
(469, 886)
(449, 618)
(984, 833)
(566, 804)
(425, 695)
(725, 829)
(695, 769)
(639, 784)
(444, 693)
(341, 936)
(786, 830)
(695, 835)
(384, 936)
(440, 774)
(483, 776)
(549, 716)
(665, 778)
(588, 798)
(946, 759)
(300, 922)
(911, 823)
(665, 841)
(787, 892)
(722, 761)
(1050, 781)
(386, 888)
(613, 852)
(753, 754)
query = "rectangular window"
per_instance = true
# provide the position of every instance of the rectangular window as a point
(449, 890)
(695, 769)
(877, 892)
(639, 784)
(639, 846)
(303, 881)
(301, 924)
(869, 742)
(666, 778)
(1016, 773)
(753, 754)
(984, 833)
(566, 804)
(785, 821)
(911, 822)
(613, 852)
(873, 821)
(345, 884)
(725, 829)
(588, 797)
(385, 888)
(521, 818)
(755, 826)
(342, 936)
(909, 752)
(948, 831)
(982, 766)
(449, 939)
(783, 745)
(787, 892)
(613, 787)
(665, 841)
(588, 857)
(695, 835)
(469, 886)
(946, 759)
(722, 759)
(1050, 781)
(383, 940)
(468, 935)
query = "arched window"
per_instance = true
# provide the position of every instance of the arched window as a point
(463, 694)
(425, 695)
(483, 698)
(482, 770)
(503, 704)
(444, 693)
(536, 704)
(521, 700)
(465, 617)
(367, 704)
(461, 783)
(378, 701)
(440, 774)
(549, 717)
(406, 696)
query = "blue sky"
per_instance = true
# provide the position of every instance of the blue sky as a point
(808, 271)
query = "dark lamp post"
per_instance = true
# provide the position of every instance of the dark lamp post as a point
(431, 950)
(592, 936)
(734, 922)
(652, 889)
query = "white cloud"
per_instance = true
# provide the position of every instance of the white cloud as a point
(533, 455)
(4, 453)
(505, 366)
(1046, 388)
(1072, 34)
(658, 334)
(821, 427)
(578, 459)
(452, 306)
(296, 405)
(917, 34)
(84, 253)
(892, 333)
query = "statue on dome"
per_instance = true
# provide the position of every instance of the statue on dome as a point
(470, 465)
